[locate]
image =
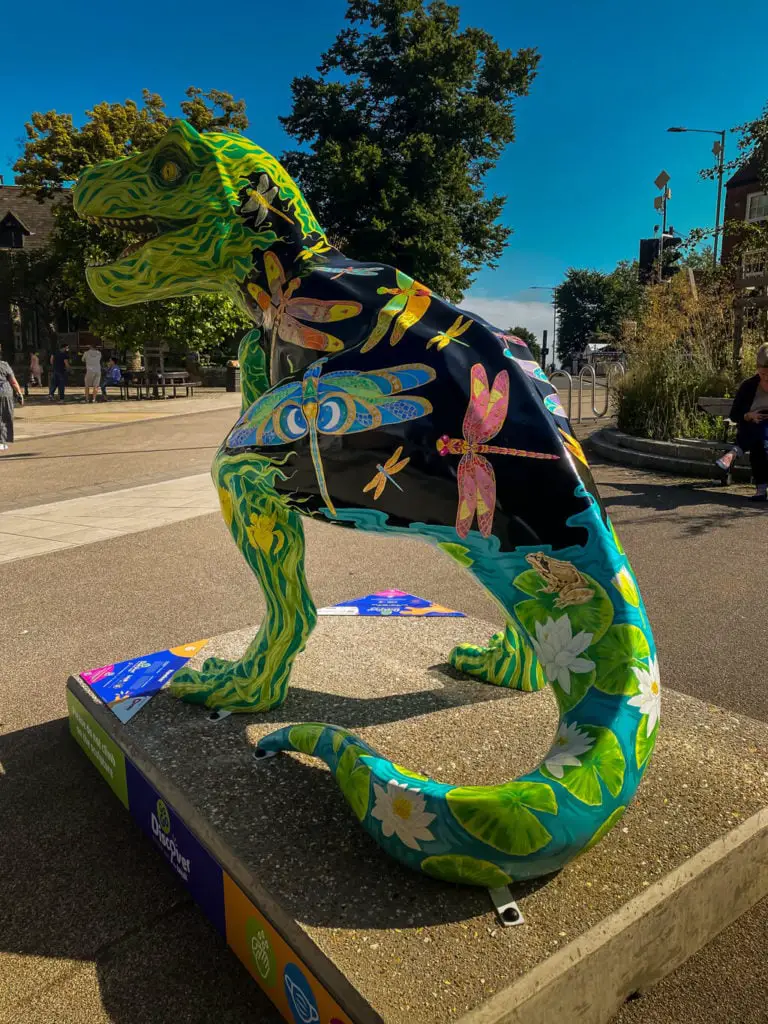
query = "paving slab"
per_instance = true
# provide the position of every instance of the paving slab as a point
(41, 529)
(40, 418)
(392, 945)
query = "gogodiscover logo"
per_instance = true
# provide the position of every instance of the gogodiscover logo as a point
(161, 830)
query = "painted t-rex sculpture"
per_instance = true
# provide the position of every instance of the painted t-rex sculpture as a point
(372, 402)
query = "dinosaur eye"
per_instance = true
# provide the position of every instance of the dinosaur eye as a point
(170, 172)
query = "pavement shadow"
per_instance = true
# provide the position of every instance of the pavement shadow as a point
(83, 891)
(357, 712)
(703, 506)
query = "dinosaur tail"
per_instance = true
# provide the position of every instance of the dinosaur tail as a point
(476, 835)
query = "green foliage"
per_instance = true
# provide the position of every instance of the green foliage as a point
(529, 338)
(31, 280)
(682, 350)
(55, 153)
(592, 306)
(406, 118)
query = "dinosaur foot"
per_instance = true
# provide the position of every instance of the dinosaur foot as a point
(504, 662)
(225, 686)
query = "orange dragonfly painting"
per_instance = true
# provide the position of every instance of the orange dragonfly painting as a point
(484, 418)
(386, 474)
(283, 313)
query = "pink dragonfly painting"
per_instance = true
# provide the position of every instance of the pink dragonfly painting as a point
(484, 418)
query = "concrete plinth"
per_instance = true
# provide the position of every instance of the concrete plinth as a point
(275, 857)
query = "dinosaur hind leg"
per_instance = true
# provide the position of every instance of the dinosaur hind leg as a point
(270, 535)
(506, 661)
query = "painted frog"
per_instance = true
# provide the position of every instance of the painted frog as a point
(562, 578)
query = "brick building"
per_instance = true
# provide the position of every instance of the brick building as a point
(747, 200)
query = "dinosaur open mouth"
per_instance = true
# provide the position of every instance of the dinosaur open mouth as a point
(140, 230)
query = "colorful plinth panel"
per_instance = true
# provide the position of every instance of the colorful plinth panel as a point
(270, 960)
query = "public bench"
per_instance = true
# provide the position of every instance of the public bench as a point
(718, 407)
(158, 383)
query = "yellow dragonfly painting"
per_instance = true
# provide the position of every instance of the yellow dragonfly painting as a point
(260, 202)
(453, 333)
(409, 302)
(386, 474)
(283, 312)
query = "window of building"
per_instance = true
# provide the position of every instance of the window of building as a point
(757, 206)
(11, 233)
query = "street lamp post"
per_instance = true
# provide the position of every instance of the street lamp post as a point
(719, 151)
(553, 289)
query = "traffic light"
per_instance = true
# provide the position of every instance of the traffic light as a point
(648, 262)
(670, 256)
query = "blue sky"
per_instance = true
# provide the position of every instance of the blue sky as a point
(590, 137)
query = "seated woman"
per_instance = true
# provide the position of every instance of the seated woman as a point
(750, 413)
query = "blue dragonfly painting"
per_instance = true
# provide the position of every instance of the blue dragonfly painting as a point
(343, 402)
(338, 272)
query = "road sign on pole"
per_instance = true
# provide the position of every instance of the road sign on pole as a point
(662, 180)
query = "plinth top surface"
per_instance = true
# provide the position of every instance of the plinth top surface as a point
(415, 948)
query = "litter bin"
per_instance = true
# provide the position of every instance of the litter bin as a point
(233, 376)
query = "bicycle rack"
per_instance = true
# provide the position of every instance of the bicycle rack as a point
(587, 373)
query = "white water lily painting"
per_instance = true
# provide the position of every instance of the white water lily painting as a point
(560, 652)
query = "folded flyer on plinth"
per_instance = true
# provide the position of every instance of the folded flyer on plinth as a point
(126, 686)
(390, 602)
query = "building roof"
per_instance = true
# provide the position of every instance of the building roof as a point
(33, 216)
(748, 174)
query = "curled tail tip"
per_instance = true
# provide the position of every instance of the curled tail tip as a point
(316, 739)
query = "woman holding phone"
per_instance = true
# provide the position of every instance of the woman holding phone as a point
(750, 414)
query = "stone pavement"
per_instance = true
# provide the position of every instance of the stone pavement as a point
(41, 529)
(41, 418)
(133, 950)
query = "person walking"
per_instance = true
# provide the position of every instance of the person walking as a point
(35, 370)
(59, 367)
(92, 372)
(750, 414)
(8, 384)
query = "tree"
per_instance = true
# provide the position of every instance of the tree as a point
(31, 280)
(529, 338)
(56, 152)
(592, 305)
(401, 144)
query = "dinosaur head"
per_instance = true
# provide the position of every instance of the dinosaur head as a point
(189, 202)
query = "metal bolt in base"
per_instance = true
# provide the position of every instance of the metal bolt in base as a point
(506, 909)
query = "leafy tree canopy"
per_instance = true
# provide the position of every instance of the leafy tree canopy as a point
(406, 118)
(55, 153)
(591, 305)
(529, 338)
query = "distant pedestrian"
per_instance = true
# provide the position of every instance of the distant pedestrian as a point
(35, 370)
(59, 368)
(92, 372)
(750, 414)
(8, 384)
(112, 377)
